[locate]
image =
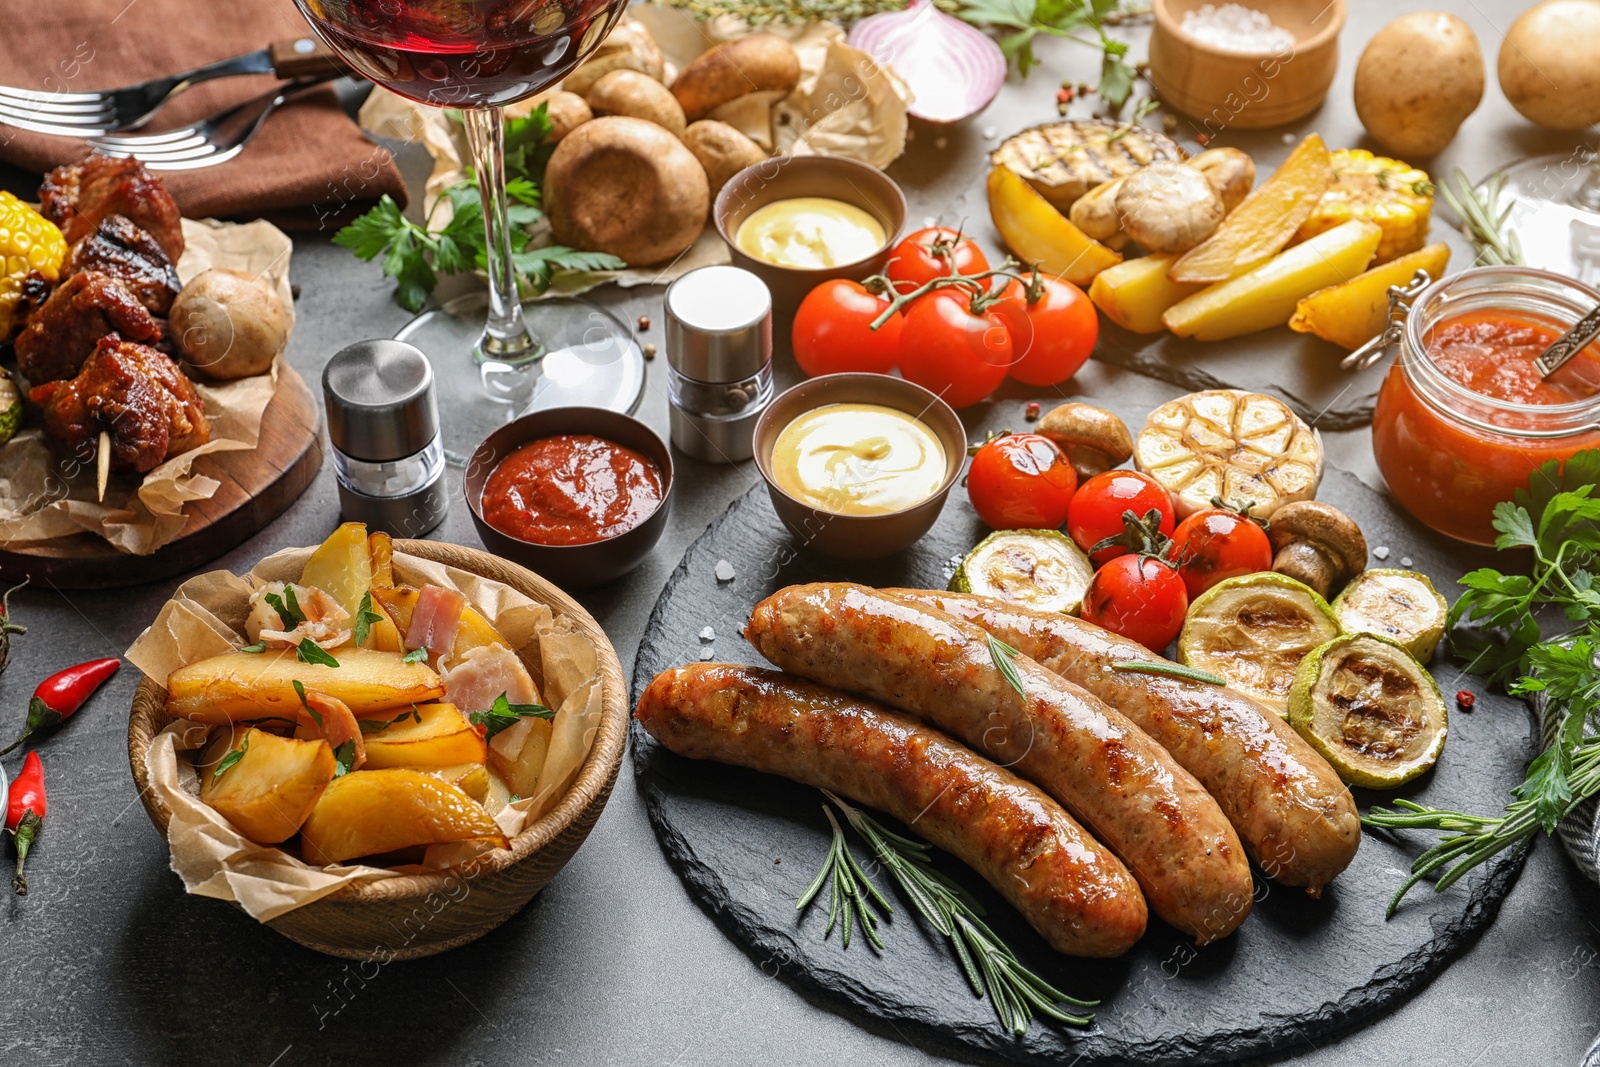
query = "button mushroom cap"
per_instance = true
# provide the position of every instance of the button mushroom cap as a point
(1093, 439)
(1168, 207)
(1317, 544)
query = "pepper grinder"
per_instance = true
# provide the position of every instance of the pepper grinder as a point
(719, 358)
(383, 423)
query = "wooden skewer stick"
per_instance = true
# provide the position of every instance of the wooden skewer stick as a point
(103, 464)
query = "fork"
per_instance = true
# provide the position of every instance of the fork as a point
(210, 141)
(91, 114)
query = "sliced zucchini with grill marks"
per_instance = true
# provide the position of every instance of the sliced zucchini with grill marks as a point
(1254, 630)
(1372, 710)
(1065, 160)
(1040, 569)
(1400, 605)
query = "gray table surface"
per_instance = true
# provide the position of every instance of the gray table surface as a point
(108, 961)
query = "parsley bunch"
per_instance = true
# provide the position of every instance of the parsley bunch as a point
(1496, 632)
(1083, 21)
(414, 254)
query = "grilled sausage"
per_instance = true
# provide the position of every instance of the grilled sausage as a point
(1289, 807)
(1069, 888)
(1112, 777)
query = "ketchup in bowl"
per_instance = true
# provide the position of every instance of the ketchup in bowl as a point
(571, 489)
(1463, 417)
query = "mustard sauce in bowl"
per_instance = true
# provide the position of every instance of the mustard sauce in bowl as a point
(858, 459)
(810, 233)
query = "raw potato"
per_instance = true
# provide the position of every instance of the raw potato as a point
(1135, 293)
(228, 325)
(1354, 312)
(1168, 207)
(442, 738)
(722, 151)
(627, 92)
(1418, 80)
(270, 790)
(1041, 235)
(628, 187)
(1547, 64)
(236, 686)
(761, 62)
(567, 112)
(628, 47)
(1268, 295)
(366, 813)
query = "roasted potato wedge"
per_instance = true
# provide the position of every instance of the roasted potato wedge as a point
(1265, 222)
(438, 735)
(381, 548)
(1039, 234)
(342, 567)
(273, 785)
(239, 686)
(1136, 292)
(518, 752)
(471, 778)
(1354, 312)
(475, 630)
(1267, 296)
(370, 812)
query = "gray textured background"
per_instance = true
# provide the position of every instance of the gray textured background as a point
(108, 961)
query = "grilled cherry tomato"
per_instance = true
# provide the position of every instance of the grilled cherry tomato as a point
(933, 253)
(1216, 544)
(1097, 510)
(1052, 336)
(1138, 597)
(833, 331)
(948, 350)
(1021, 482)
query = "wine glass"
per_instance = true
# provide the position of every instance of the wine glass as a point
(478, 56)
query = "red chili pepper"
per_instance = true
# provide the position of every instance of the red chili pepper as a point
(61, 694)
(25, 811)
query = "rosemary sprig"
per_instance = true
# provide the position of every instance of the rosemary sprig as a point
(849, 889)
(990, 967)
(1170, 670)
(1002, 654)
(1484, 217)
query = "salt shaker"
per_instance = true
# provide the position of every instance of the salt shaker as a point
(383, 423)
(719, 358)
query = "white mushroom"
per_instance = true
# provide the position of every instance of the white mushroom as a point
(1317, 544)
(1093, 439)
(1168, 207)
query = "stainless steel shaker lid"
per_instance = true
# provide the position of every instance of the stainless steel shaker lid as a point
(719, 324)
(379, 396)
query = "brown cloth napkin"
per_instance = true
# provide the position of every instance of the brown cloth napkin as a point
(309, 167)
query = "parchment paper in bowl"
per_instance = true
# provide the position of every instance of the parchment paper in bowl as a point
(205, 617)
(44, 496)
(845, 105)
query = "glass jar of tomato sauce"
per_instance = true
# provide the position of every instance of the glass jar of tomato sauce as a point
(1463, 417)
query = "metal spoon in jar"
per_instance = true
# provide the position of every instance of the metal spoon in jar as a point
(1569, 344)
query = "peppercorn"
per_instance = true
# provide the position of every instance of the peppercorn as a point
(649, 352)
(1465, 700)
(1031, 412)
(644, 322)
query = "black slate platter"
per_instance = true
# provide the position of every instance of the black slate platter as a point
(1299, 970)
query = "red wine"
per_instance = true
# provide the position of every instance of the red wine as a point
(463, 53)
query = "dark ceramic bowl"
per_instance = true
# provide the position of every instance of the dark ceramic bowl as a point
(787, 177)
(571, 566)
(860, 536)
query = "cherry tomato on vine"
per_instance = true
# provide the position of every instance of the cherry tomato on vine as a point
(833, 331)
(933, 253)
(1138, 597)
(1052, 336)
(948, 350)
(1021, 482)
(1216, 544)
(1097, 509)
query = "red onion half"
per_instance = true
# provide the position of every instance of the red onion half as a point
(953, 69)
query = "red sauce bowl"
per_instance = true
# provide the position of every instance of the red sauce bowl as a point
(571, 566)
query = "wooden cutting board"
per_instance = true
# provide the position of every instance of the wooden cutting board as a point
(257, 485)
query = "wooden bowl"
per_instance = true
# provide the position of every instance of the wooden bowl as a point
(860, 536)
(379, 920)
(1240, 90)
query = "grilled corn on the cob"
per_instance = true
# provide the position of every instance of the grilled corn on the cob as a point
(28, 242)
(1395, 195)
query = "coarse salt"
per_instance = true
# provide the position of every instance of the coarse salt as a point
(1236, 28)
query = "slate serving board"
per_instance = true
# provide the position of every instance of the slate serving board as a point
(1298, 971)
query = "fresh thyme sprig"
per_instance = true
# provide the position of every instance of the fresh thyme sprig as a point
(1484, 217)
(849, 890)
(990, 967)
